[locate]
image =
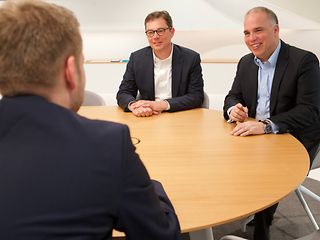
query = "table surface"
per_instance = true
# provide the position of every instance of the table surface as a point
(211, 176)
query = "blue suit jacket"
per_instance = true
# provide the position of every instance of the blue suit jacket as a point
(63, 176)
(187, 82)
(295, 93)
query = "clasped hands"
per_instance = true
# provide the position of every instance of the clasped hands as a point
(146, 108)
(239, 114)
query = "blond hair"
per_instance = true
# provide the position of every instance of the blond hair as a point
(35, 39)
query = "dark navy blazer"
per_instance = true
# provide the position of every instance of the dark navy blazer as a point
(63, 176)
(187, 81)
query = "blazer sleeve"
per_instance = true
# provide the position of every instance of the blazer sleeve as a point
(306, 111)
(193, 96)
(145, 211)
(128, 88)
(235, 94)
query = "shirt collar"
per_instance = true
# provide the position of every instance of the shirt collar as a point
(272, 59)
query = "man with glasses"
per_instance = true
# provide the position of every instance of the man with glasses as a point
(168, 77)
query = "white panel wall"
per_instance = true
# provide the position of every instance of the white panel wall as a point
(113, 29)
(105, 79)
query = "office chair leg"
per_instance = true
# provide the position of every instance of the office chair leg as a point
(309, 193)
(245, 223)
(204, 234)
(306, 208)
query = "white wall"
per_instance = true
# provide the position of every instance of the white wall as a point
(105, 78)
(113, 29)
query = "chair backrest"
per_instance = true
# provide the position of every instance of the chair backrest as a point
(92, 99)
(206, 101)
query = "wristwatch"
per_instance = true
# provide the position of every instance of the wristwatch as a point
(267, 126)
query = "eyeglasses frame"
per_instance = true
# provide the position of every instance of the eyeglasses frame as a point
(156, 31)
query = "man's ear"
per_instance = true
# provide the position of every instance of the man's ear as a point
(276, 29)
(172, 31)
(70, 72)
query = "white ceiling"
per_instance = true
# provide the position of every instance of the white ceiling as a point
(306, 8)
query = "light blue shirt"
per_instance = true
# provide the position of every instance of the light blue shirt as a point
(265, 79)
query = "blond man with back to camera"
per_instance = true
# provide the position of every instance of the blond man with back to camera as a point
(63, 176)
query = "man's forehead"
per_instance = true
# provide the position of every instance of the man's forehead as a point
(159, 22)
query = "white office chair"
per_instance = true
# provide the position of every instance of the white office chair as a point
(231, 237)
(92, 99)
(301, 189)
(313, 236)
(206, 101)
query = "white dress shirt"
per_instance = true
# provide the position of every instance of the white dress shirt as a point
(163, 77)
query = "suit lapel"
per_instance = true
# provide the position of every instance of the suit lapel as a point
(177, 63)
(281, 67)
(253, 87)
(149, 73)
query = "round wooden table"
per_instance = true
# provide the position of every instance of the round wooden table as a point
(211, 176)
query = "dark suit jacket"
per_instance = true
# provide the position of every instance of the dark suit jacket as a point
(63, 176)
(187, 82)
(295, 93)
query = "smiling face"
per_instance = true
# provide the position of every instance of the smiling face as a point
(261, 34)
(161, 45)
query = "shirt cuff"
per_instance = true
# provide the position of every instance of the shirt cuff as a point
(228, 113)
(168, 107)
(130, 104)
(274, 127)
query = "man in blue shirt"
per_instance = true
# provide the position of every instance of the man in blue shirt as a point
(279, 86)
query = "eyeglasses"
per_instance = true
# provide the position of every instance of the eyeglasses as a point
(159, 31)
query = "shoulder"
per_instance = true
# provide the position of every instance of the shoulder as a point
(297, 54)
(142, 51)
(99, 130)
(247, 59)
(184, 50)
(140, 56)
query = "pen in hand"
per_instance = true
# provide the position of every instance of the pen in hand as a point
(239, 113)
